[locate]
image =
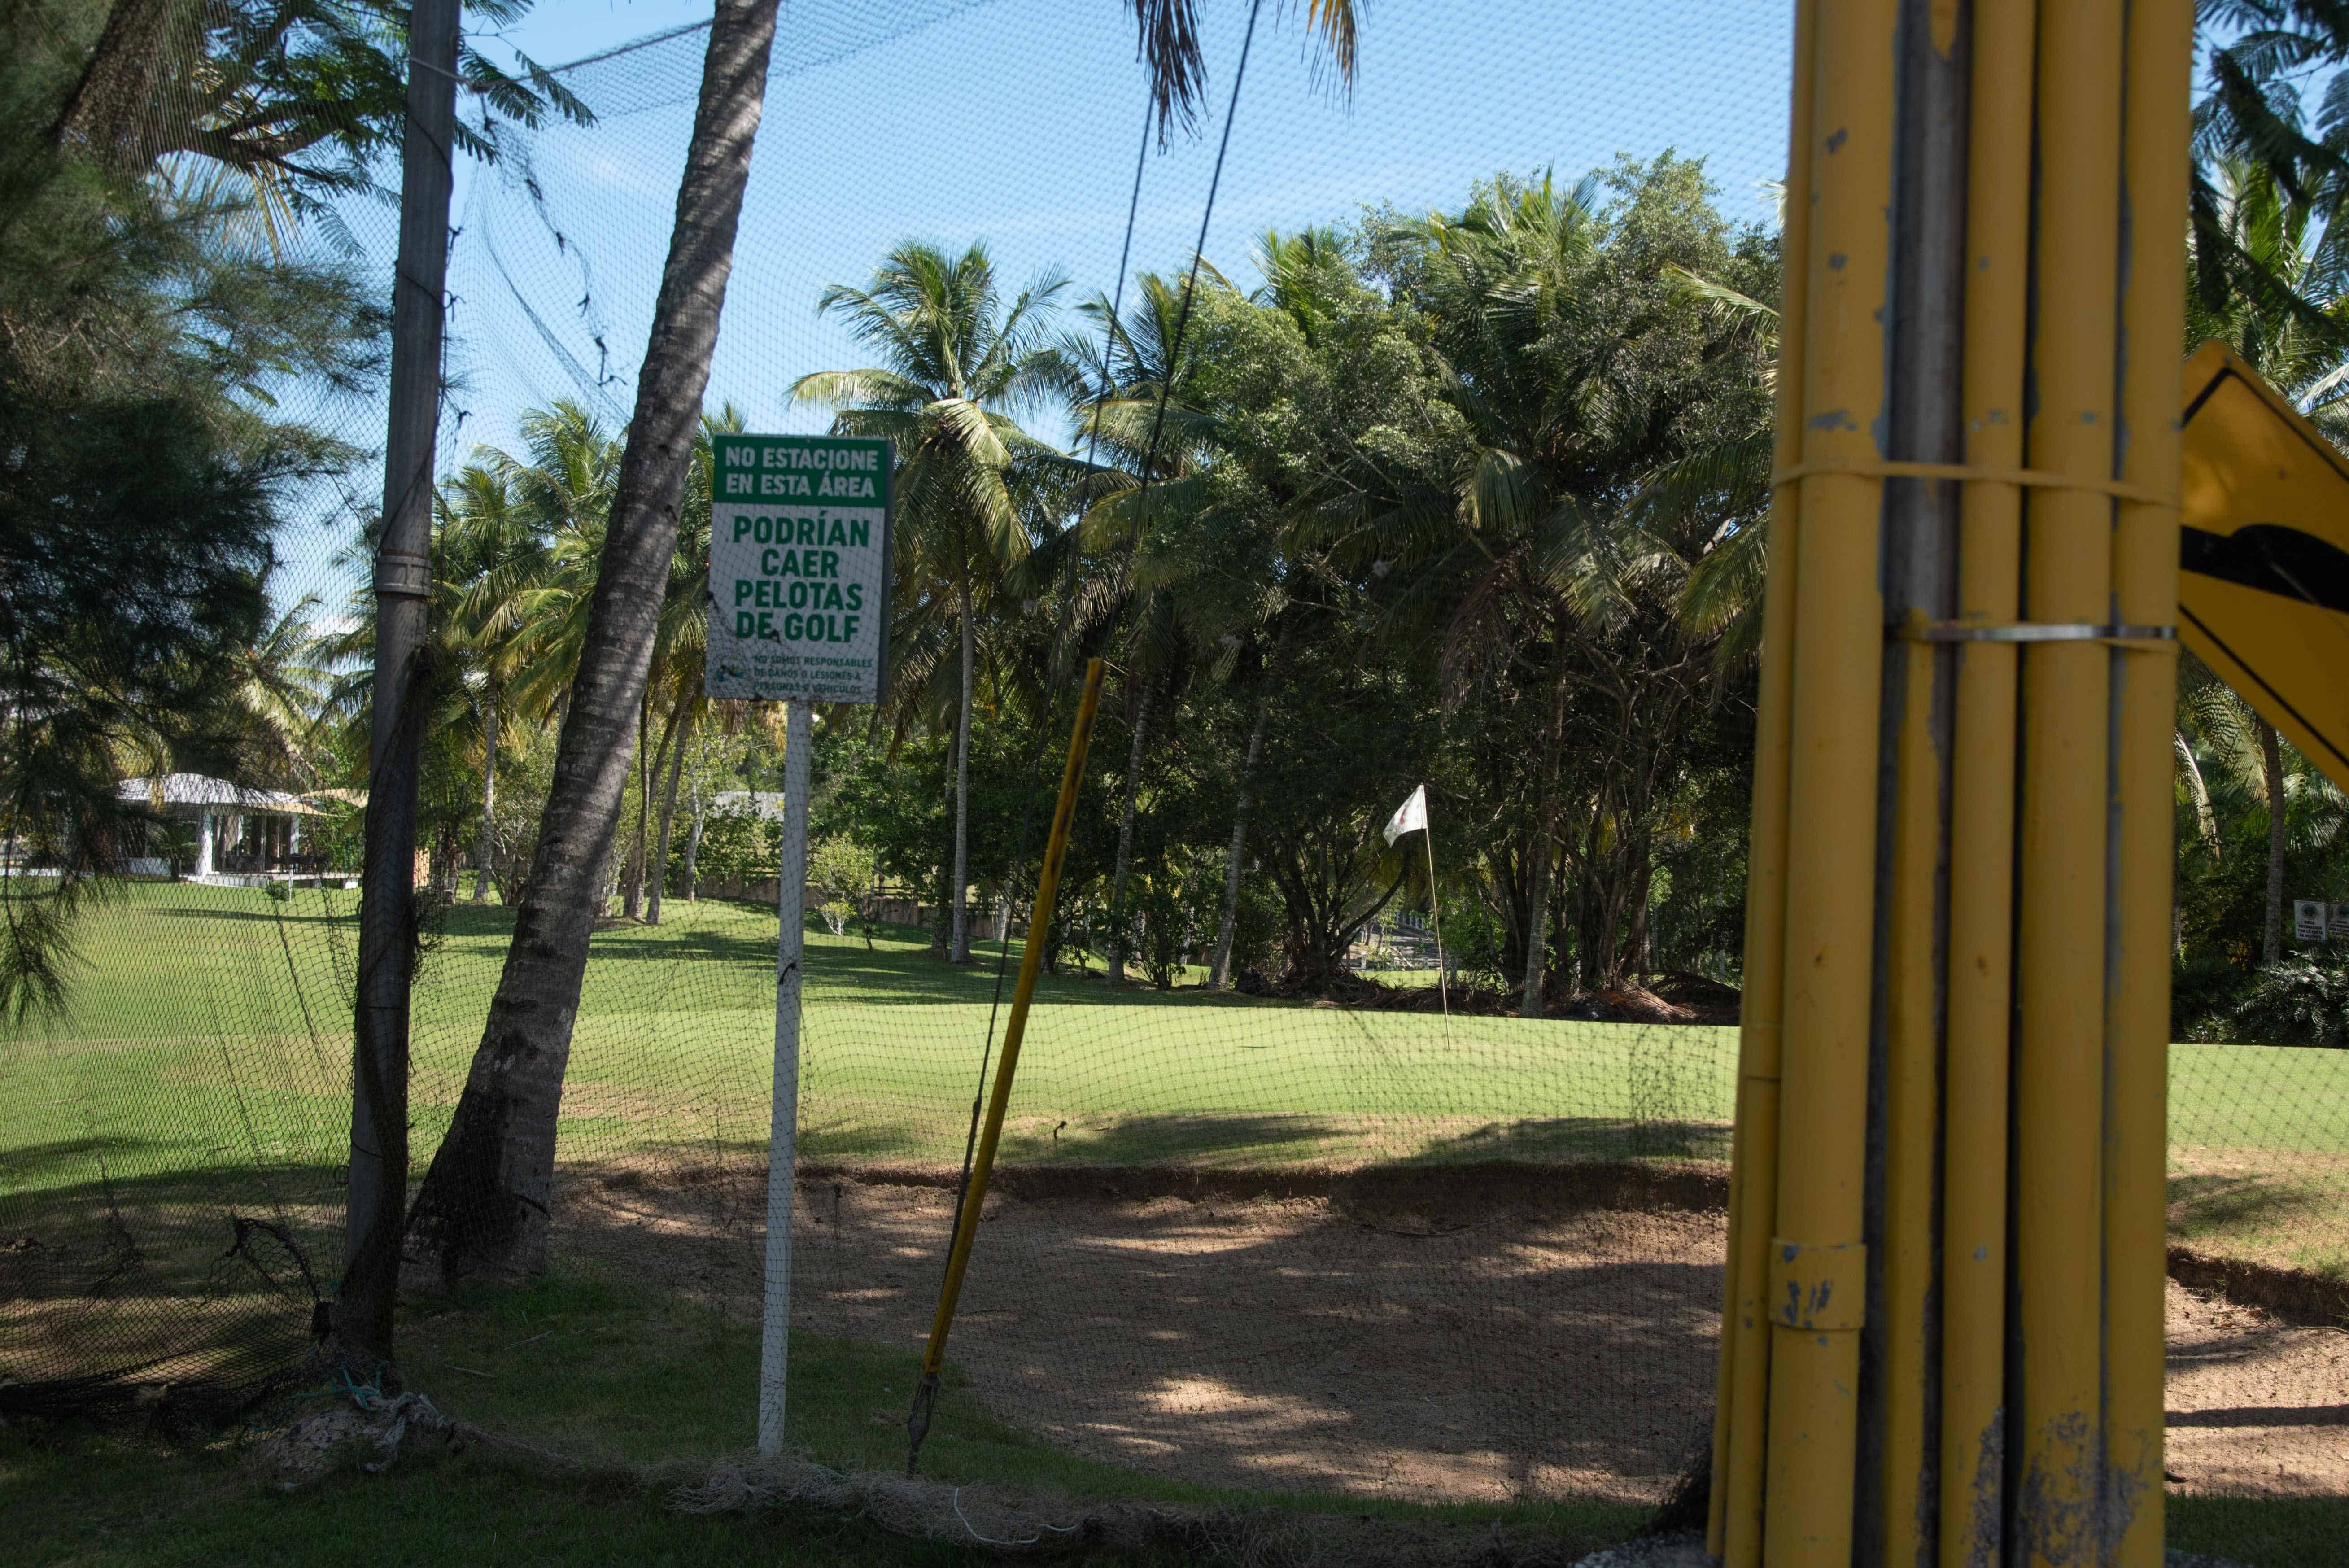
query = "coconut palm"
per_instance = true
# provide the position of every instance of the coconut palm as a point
(1147, 439)
(285, 675)
(484, 1203)
(492, 555)
(958, 365)
(1570, 356)
(676, 682)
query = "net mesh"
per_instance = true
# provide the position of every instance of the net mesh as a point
(1336, 1229)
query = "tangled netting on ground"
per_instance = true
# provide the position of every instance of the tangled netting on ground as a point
(372, 1432)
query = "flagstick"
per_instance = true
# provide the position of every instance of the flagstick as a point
(1435, 907)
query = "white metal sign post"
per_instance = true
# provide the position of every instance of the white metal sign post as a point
(799, 613)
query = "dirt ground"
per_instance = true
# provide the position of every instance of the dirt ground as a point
(2256, 1405)
(1433, 1341)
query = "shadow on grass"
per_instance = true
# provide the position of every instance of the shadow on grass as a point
(2216, 1203)
(1542, 1140)
(2272, 1532)
(1181, 1139)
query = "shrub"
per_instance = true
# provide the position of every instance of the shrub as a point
(2204, 991)
(2296, 1002)
(839, 872)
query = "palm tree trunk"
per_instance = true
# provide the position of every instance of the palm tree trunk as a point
(682, 728)
(632, 904)
(640, 868)
(1219, 971)
(959, 936)
(2272, 772)
(483, 868)
(485, 1202)
(1119, 945)
(1545, 829)
(693, 848)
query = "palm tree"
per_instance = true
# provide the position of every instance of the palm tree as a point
(484, 1202)
(958, 365)
(284, 676)
(492, 556)
(1132, 411)
(1542, 544)
(1501, 277)
(677, 660)
(1208, 581)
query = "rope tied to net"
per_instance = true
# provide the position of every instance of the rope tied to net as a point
(991, 1541)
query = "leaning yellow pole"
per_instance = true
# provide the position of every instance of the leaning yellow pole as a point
(2144, 595)
(1734, 1528)
(1032, 963)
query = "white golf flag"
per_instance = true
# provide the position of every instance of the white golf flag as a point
(1411, 816)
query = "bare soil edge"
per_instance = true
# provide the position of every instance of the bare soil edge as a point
(2295, 1295)
(1432, 1194)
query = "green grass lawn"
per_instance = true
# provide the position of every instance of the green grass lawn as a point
(207, 1015)
(210, 1022)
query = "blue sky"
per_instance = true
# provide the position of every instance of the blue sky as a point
(1016, 122)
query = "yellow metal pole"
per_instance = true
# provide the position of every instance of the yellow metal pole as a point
(1032, 962)
(1735, 1527)
(1911, 1111)
(2060, 962)
(2155, 129)
(1981, 806)
(1816, 1284)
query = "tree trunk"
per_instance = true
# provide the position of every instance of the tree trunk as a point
(680, 727)
(2272, 772)
(959, 935)
(632, 902)
(1219, 971)
(693, 848)
(484, 857)
(485, 1202)
(1119, 944)
(362, 1315)
(1545, 829)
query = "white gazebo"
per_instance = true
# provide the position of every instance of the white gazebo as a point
(242, 835)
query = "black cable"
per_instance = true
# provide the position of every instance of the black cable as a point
(1174, 368)
(1044, 731)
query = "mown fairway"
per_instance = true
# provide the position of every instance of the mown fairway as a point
(211, 1023)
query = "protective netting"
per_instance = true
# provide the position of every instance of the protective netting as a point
(1329, 1228)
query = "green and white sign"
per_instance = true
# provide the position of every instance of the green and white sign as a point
(799, 568)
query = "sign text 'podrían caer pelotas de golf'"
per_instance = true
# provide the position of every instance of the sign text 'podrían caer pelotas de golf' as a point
(799, 568)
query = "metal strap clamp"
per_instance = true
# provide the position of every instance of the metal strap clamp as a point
(2029, 478)
(2162, 638)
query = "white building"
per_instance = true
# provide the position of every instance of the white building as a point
(241, 832)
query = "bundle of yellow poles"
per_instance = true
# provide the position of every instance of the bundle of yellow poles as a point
(1943, 1328)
